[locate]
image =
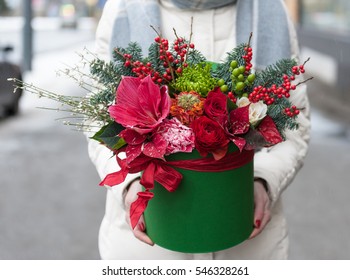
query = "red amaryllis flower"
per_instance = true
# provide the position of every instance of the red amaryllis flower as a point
(210, 137)
(215, 106)
(140, 104)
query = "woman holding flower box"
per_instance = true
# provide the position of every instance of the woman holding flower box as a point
(218, 26)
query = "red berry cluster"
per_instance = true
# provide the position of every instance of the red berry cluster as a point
(165, 56)
(181, 48)
(298, 69)
(232, 97)
(177, 60)
(141, 69)
(248, 58)
(171, 62)
(269, 95)
(292, 111)
(262, 93)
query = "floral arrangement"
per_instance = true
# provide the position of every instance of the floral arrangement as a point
(174, 101)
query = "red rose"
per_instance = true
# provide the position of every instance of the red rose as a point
(209, 137)
(269, 131)
(215, 106)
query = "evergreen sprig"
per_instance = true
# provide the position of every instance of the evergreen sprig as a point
(195, 57)
(153, 58)
(108, 78)
(133, 49)
(281, 120)
(273, 74)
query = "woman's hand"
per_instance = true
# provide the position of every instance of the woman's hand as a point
(262, 211)
(130, 197)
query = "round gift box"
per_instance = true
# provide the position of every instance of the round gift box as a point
(208, 212)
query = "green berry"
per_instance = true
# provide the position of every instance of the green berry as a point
(240, 86)
(224, 88)
(233, 64)
(241, 69)
(236, 72)
(241, 77)
(251, 78)
(221, 82)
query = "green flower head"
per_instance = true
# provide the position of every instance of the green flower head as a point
(196, 78)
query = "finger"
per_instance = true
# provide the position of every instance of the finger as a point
(139, 232)
(259, 210)
(261, 203)
(143, 237)
(254, 233)
(264, 221)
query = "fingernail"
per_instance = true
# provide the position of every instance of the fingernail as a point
(257, 223)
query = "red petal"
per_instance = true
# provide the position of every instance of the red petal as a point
(240, 120)
(269, 131)
(239, 142)
(156, 148)
(132, 137)
(132, 152)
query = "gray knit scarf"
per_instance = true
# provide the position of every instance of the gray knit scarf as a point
(266, 19)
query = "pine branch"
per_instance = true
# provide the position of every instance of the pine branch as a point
(133, 49)
(195, 57)
(273, 74)
(282, 121)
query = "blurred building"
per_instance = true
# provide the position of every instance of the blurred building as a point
(52, 8)
(324, 34)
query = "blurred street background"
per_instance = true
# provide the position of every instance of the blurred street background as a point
(50, 202)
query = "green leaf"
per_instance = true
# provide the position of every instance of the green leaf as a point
(231, 105)
(108, 135)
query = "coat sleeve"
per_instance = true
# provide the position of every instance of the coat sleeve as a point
(279, 164)
(101, 156)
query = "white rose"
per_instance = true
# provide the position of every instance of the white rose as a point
(257, 111)
(242, 102)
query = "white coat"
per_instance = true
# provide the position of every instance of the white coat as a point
(277, 165)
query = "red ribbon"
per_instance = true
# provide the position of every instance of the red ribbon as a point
(163, 172)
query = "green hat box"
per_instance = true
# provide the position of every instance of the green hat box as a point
(208, 212)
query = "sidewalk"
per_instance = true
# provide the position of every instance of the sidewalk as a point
(50, 203)
(316, 203)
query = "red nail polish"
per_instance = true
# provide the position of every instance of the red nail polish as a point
(257, 223)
